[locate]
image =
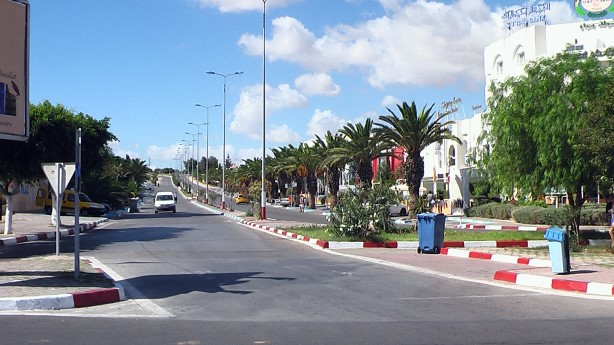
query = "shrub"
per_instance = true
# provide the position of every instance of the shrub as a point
(589, 215)
(492, 210)
(363, 213)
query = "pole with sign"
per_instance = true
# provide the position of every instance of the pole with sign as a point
(77, 192)
(58, 174)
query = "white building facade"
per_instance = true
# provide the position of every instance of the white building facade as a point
(452, 163)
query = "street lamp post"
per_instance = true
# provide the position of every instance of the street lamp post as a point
(187, 154)
(224, 138)
(263, 191)
(198, 133)
(207, 154)
(192, 164)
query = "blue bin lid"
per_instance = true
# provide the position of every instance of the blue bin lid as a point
(555, 233)
(430, 216)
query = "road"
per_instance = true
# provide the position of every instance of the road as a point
(200, 278)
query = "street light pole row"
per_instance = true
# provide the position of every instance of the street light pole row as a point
(192, 165)
(224, 137)
(207, 153)
(198, 133)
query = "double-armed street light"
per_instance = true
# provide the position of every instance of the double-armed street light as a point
(207, 153)
(224, 138)
(198, 133)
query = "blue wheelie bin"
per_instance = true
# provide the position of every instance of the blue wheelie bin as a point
(558, 247)
(430, 232)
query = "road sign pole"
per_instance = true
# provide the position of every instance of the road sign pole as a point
(58, 205)
(77, 191)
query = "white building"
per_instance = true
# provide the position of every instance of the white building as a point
(506, 57)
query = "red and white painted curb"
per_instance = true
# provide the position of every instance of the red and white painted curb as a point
(396, 244)
(67, 301)
(601, 289)
(63, 301)
(47, 235)
(502, 227)
(510, 259)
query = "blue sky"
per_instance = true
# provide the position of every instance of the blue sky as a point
(143, 64)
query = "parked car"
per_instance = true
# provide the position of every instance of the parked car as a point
(399, 209)
(165, 201)
(86, 206)
(241, 199)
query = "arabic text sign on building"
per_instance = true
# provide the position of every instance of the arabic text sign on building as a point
(14, 55)
(527, 15)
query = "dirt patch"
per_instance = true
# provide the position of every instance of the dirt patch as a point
(48, 275)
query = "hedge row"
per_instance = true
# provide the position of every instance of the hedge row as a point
(591, 214)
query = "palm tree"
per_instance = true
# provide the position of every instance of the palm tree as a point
(277, 168)
(361, 145)
(305, 161)
(413, 132)
(135, 169)
(333, 170)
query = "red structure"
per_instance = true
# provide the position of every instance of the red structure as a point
(394, 161)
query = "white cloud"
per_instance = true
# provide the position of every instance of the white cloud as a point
(323, 121)
(158, 153)
(390, 101)
(317, 84)
(282, 134)
(118, 151)
(241, 5)
(248, 153)
(248, 112)
(417, 43)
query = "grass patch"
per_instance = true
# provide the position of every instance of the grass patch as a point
(450, 235)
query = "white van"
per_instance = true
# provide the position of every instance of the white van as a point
(165, 201)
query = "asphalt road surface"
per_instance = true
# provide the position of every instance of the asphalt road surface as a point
(199, 278)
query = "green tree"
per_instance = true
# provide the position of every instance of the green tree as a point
(414, 131)
(537, 127)
(361, 145)
(333, 170)
(135, 169)
(305, 161)
(52, 139)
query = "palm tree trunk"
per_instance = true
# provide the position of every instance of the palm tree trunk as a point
(365, 173)
(312, 188)
(414, 172)
(333, 186)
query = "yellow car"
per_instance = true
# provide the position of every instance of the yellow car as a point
(86, 205)
(241, 199)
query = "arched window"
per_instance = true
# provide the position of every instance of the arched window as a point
(519, 56)
(451, 156)
(498, 65)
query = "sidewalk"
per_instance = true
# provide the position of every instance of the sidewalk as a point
(48, 282)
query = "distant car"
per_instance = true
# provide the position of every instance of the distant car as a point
(241, 199)
(399, 209)
(282, 202)
(165, 201)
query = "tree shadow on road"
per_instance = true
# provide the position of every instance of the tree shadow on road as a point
(163, 286)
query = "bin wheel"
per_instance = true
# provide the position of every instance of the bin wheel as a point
(436, 250)
(419, 250)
